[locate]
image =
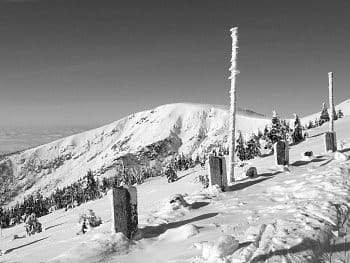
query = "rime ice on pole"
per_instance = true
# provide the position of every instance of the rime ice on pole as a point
(330, 136)
(232, 129)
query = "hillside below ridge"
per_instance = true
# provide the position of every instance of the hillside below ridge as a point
(284, 215)
(142, 138)
(138, 139)
(343, 106)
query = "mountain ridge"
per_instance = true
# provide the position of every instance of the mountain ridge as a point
(143, 138)
(137, 139)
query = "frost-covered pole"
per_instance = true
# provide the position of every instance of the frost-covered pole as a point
(331, 102)
(231, 140)
(330, 136)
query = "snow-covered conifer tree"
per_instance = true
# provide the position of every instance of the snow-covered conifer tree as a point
(253, 147)
(340, 114)
(240, 147)
(324, 114)
(297, 134)
(310, 125)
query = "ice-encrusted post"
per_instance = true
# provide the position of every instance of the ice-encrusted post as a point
(124, 210)
(330, 137)
(331, 102)
(231, 136)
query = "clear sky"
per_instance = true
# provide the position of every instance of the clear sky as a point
(84, 62)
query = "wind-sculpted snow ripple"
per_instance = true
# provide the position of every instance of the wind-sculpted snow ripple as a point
(306, 235)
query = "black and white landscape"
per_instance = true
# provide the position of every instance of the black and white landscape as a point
(99, 97)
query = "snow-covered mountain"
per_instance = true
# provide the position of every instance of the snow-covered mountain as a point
(297, 214)
(143, 137)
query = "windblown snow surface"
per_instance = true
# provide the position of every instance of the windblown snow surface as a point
(294, 214)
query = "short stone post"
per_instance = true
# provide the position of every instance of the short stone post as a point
(124, 210)
(281, 153)
(330, 137)
(217, 171)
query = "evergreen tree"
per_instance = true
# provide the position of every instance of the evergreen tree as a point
(340, 114)
(197, 160)
(317, 122)
(266, 132)
(170, 173)
(92, 186)
(297, 134)
(324, 114)
(240, 148)
(310, 125)
(278, 130)
(253, 147)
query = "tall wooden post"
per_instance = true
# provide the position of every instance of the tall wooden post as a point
(330, 137)
(231, 139)
(331, 102)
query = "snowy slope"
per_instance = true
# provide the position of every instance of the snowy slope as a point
(13, 139)
(138, 138)
(302, 208)
(344, 107)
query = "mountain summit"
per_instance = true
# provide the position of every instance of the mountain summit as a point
(139, 138)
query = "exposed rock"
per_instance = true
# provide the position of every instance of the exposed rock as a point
(308, 154)
(252, 172)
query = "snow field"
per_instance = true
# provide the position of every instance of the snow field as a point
(284, 215)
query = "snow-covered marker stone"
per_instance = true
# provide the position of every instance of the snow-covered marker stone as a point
(124, 210)
(281, 151)
(217, 171)
(330, 141)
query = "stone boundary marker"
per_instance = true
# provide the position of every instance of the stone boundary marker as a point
(281, 151)
(330, 141)
(124, 210)
(217, 171)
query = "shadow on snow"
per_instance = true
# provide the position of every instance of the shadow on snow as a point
(241, 185)
(307, 244)
(154, 231)
(28, 244)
